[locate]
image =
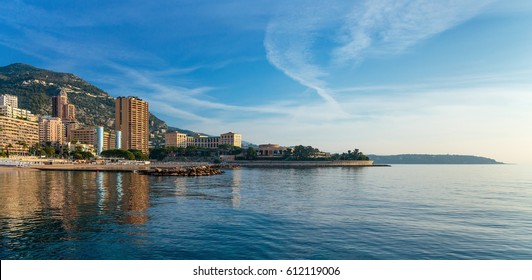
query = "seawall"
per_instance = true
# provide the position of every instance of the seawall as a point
(317, 163)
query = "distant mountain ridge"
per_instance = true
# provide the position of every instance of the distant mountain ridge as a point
(35, 87)
(431, 159)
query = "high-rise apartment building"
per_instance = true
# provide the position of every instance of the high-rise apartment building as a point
(86, 135)
(51, 130)
(69, 112)
(131, 118)
(58, 103)
(69, 127)
(18, 127)
(61, 108)
(17, 135)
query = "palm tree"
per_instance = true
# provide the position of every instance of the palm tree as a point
(7, 149)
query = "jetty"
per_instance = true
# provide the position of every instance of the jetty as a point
(183, 171)
(305, 163)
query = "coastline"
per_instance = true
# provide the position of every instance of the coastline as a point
(317, 163)
(6, 168)
(232, 164)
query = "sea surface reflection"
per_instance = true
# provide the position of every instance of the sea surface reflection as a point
(403, 212)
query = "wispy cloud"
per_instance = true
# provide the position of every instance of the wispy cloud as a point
(288, 43)
(295, 43)
(195, 99)
(390, 27)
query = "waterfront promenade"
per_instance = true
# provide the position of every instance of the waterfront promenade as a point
(133, 166)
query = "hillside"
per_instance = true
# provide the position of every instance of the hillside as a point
(431, 159)
(35, 87)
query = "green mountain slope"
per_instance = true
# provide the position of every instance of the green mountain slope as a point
(35, 87)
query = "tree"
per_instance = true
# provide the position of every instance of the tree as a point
(138, 154)
(228, 149)
(7, 149)
(351, 155)
(159, 153)
(302, 153)
(49, 151)
(251, 153)
(117, 153)
(80, 154)
(35, 149)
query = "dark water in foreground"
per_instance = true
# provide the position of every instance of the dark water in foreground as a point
(399, 212)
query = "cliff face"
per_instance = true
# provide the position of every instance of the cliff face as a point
(35, 87)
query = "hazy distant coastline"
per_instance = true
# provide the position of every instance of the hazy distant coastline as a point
(431, 159)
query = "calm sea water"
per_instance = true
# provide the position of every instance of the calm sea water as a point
(399, 212)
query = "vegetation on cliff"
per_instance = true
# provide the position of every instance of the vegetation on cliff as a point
(35, 87)
(431, 159)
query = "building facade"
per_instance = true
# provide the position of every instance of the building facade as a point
(69, 112)
(230, 138)
(9, 108)
(51, 130)
(9, 100)
(88, 135)
(175, 139)
(271, 150)
(58, 103)
(16, 135)
(62, 109)
(202, 141)
(69, 127)
(13, 112)
(85, 135)
(212, 142)
(132, 119)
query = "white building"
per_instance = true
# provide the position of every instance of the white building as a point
(9, 100)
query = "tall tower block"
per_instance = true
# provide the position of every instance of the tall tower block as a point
(131, 118)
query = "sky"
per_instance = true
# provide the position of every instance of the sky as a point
(383, 76)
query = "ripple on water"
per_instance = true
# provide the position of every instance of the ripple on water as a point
(403, 212)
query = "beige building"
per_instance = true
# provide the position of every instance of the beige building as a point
(109, 140)
(51, 130)
(202, 141)
(175, 139)
(271, 150)
(230, 138)
(9, 108)
(61, 108)
(9, 100)
(69, 112)
(12, 112)
(20, 134)
(69, 127)
(132, 120)
(87, 135)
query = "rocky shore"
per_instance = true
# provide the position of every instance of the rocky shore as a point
(183, 171)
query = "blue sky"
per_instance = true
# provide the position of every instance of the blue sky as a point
(387, 77)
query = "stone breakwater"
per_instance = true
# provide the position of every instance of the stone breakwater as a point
(316, 163)
(183, 171)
